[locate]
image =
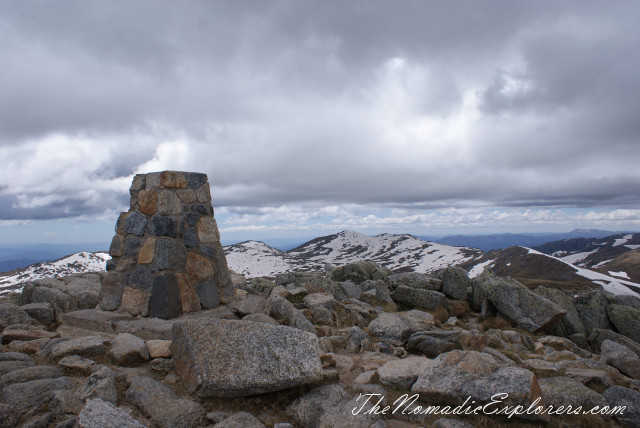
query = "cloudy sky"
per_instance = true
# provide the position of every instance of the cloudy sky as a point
(428, 117)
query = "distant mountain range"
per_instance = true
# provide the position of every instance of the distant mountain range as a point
(16, 256)
(505, 240)
(578, 263)
(74, 263)
(397, 252)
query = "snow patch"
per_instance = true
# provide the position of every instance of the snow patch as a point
(623, 240)
(479, 268)
(577, 257)
(619, 274)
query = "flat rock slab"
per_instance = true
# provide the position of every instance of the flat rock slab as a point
(35, 394)
(100, 413)
(226, 358)
(456, 375)
(145, 328)
(28, 374)
(25, 332)
(90, 345)
(157, 401)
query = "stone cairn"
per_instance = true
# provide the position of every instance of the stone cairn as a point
(167, 258)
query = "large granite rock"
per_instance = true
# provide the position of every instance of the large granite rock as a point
(456, 284)
(418, 298)
(421, 281)
(396, 328)
(571, 323)
(160, 403)
(99, 413)
(403, 373)
(627, 398)
(626, 320)
(331, 406)
(225, 358)
(456, 375)
(621, 357)
(520, 305)
(592, 308)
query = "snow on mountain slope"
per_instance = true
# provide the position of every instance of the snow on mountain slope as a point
(407, 252)
(74, 263)
(255, 258)
(608, 282)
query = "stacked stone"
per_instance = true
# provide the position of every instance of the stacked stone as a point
(166, 255)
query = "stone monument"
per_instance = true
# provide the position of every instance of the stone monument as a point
(166, 254)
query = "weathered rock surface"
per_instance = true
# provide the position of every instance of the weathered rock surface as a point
(417, 280)
(25, 332)
(626, 320)
(225, 358)
(456, 284)
(630, 399)
(456, 375)
(99, 413)
(403, 373)
(622, 358)
(101, 384)
(434, 342)
(520, 305)
(13, 314)
(563, 391)
(89, 345)
(598, 336)
(571, 323)
(330, 406)
(240, 420)
(592, 308)
(31, 396)
(160, 403)
(127, 349)
(419, 298)
(396, 328)
(159, 348)
(28, 374)
(42, 312)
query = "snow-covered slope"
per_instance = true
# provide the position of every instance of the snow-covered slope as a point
(611, 253)
(255, 258)
(534, 268)
(608, 282)
(393, 251)
(74, 263)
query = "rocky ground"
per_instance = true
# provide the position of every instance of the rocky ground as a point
(300, 349)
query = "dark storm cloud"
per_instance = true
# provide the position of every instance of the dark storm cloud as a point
(408, 103)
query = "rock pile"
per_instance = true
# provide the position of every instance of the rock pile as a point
(166, 254)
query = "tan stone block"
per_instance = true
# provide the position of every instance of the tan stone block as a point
(159, 348)
(135, 302)
(199, 267)
(186, 195)
(208, 231)
(117, 246)
(204, 193)
(169, 203)
(189, 301)
(172, 180)
(148, 201)
(145, 255)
